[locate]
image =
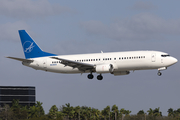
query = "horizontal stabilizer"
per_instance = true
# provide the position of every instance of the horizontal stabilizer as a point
(21, 59)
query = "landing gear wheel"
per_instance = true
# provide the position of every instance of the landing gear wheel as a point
(99, 77)
(159, 73)
(90, 76)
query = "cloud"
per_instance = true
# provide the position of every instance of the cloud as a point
(143, 26)
(143, 5)
(9, 31)
(30, 8)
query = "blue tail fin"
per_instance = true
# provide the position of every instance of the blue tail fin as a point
(31, 49)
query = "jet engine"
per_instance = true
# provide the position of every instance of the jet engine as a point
(105, 68)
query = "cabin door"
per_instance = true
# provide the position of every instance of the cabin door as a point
(45, 63)
(153, 57)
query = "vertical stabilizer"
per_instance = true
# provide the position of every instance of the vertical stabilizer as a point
(30, 48)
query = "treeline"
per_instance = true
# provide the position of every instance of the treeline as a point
(67, 112)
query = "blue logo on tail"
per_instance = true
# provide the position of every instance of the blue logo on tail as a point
(28, 46)
(31, 49)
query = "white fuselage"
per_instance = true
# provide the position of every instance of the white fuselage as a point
(121, 61)
(116, 63)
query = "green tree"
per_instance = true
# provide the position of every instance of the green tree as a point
(170, 112)
(115, 111)
(60, 115)
(6, 113)
(36, 110)
(150, 112)
(141, 112)
(77, 112)
(40, 108)
(68, 111)
(122, 112)
(127, 112)
(109, 111)
(33, 112)
(53, 112)
(103, 112)
(156, 112)
(94, 112)
(177, 113)
(106, 112)
(85, 114)
(16, 109)
(24, 112)
(89, 112)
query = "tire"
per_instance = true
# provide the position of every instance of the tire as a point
(159, 73)
(99, 77)
(90, 76)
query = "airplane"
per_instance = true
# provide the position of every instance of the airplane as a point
(116, 63)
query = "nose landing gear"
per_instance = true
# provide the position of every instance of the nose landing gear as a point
(159, 73)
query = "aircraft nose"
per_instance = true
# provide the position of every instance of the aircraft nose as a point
(174, 60)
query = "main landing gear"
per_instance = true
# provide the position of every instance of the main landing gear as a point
(159, 73)
(91, 76)
(100, 77)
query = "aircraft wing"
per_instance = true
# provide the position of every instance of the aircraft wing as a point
(21, 59)
(81, 66)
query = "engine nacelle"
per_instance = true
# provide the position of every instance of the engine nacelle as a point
(105, 68)
(121, 73)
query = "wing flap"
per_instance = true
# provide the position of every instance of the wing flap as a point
(74, 64)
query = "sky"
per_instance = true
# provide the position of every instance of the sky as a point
(75, 27)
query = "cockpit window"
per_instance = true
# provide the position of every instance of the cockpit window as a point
(165, 55)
